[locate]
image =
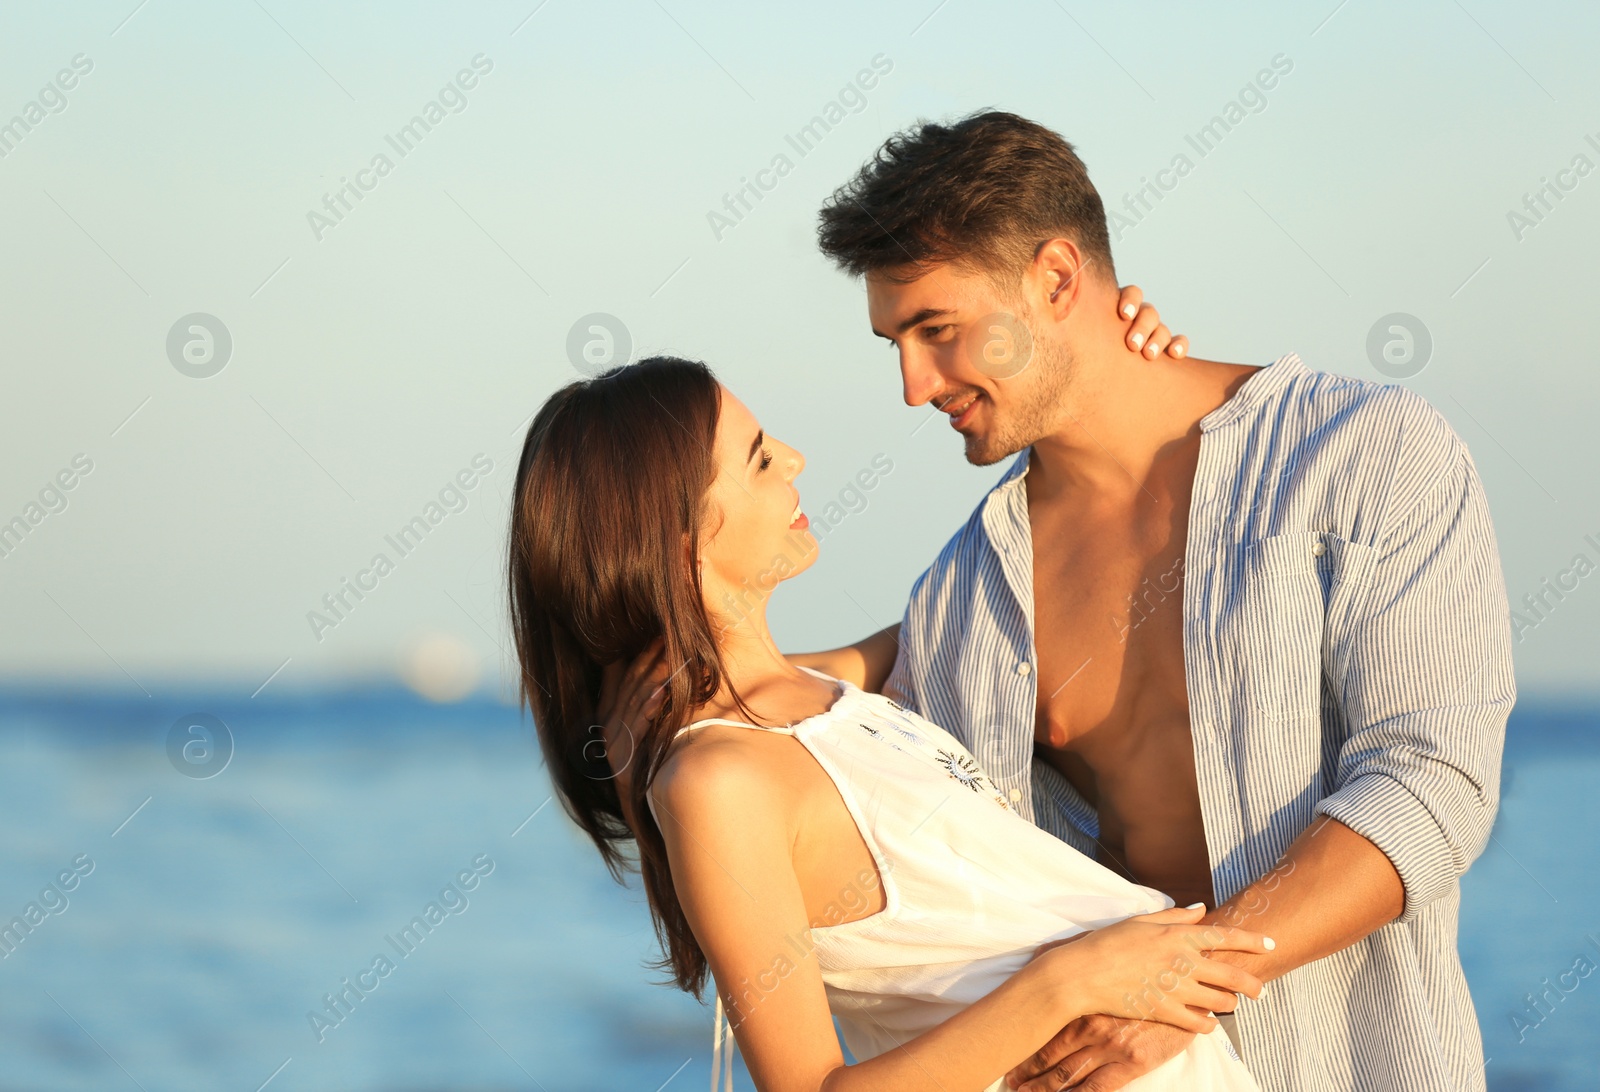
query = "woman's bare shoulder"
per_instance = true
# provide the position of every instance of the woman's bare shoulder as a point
(719, 773)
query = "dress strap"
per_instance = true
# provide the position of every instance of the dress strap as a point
(721, 1045)
(844, 687)
(784, 729)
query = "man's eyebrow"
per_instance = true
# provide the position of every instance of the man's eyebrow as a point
(755, 445)
(917, 319)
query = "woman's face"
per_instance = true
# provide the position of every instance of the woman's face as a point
(755, 534)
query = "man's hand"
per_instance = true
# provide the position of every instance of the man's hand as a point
(1098, 1054)
(1146, 333)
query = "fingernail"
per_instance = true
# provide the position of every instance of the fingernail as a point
(1151, 350)
(1137, 339)
(1195, 906)
(1268, 943)
(1177, 350)
(1128, 311)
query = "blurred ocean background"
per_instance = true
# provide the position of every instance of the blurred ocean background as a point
(217, 917)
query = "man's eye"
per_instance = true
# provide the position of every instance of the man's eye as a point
(934, 333)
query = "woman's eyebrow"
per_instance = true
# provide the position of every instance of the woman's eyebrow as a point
(755, 445)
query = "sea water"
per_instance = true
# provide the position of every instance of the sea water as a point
(379, 893)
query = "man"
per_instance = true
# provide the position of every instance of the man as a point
(1254, 617)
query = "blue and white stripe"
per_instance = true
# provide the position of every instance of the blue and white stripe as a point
(1348, 651)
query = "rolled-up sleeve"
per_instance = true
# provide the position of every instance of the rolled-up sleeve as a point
(1427, 684)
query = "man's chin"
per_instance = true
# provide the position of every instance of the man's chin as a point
(986, 450)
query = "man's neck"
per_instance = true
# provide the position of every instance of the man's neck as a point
(1126, 418)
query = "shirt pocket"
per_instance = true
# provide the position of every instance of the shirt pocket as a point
(1290, 584)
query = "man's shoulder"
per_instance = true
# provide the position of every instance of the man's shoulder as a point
(1360, 419)
(1375, 448)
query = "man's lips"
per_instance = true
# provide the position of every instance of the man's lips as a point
(959, 408)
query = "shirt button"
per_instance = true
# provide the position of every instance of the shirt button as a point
(1318, 548)
(1016, 794)
(1024, 668)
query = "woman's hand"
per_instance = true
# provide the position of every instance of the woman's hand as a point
(1157, 967)
(1146, 333)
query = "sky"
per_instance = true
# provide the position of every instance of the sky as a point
(259, 325)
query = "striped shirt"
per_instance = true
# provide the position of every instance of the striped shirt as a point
(1347, 649)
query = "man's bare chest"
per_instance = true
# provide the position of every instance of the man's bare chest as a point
(1108, 626)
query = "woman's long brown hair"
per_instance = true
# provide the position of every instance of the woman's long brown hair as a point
(605, 524)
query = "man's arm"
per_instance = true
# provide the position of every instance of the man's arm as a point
(1332, 888)
(1427, 678)
(1426, 684)
(1423, 674)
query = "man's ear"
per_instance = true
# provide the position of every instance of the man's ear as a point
(1059, 268)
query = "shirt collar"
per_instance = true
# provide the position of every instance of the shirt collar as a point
(1268, 381)
(1019, 467)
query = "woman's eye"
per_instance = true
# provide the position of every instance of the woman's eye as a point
(766, 458)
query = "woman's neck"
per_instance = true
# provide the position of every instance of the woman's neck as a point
(749, 654)
(753, 666)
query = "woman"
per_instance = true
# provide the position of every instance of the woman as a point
(833, 853)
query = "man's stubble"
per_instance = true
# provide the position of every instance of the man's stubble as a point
(1037, 406)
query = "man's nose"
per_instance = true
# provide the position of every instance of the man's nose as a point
(920, 380)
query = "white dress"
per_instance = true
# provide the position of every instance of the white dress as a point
(972, 889)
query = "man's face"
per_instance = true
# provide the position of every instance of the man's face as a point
(977, 354)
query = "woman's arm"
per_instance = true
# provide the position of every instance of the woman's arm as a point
(866, 663)
(729, 836)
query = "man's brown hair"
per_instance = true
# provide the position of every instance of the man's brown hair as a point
(983, 193)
